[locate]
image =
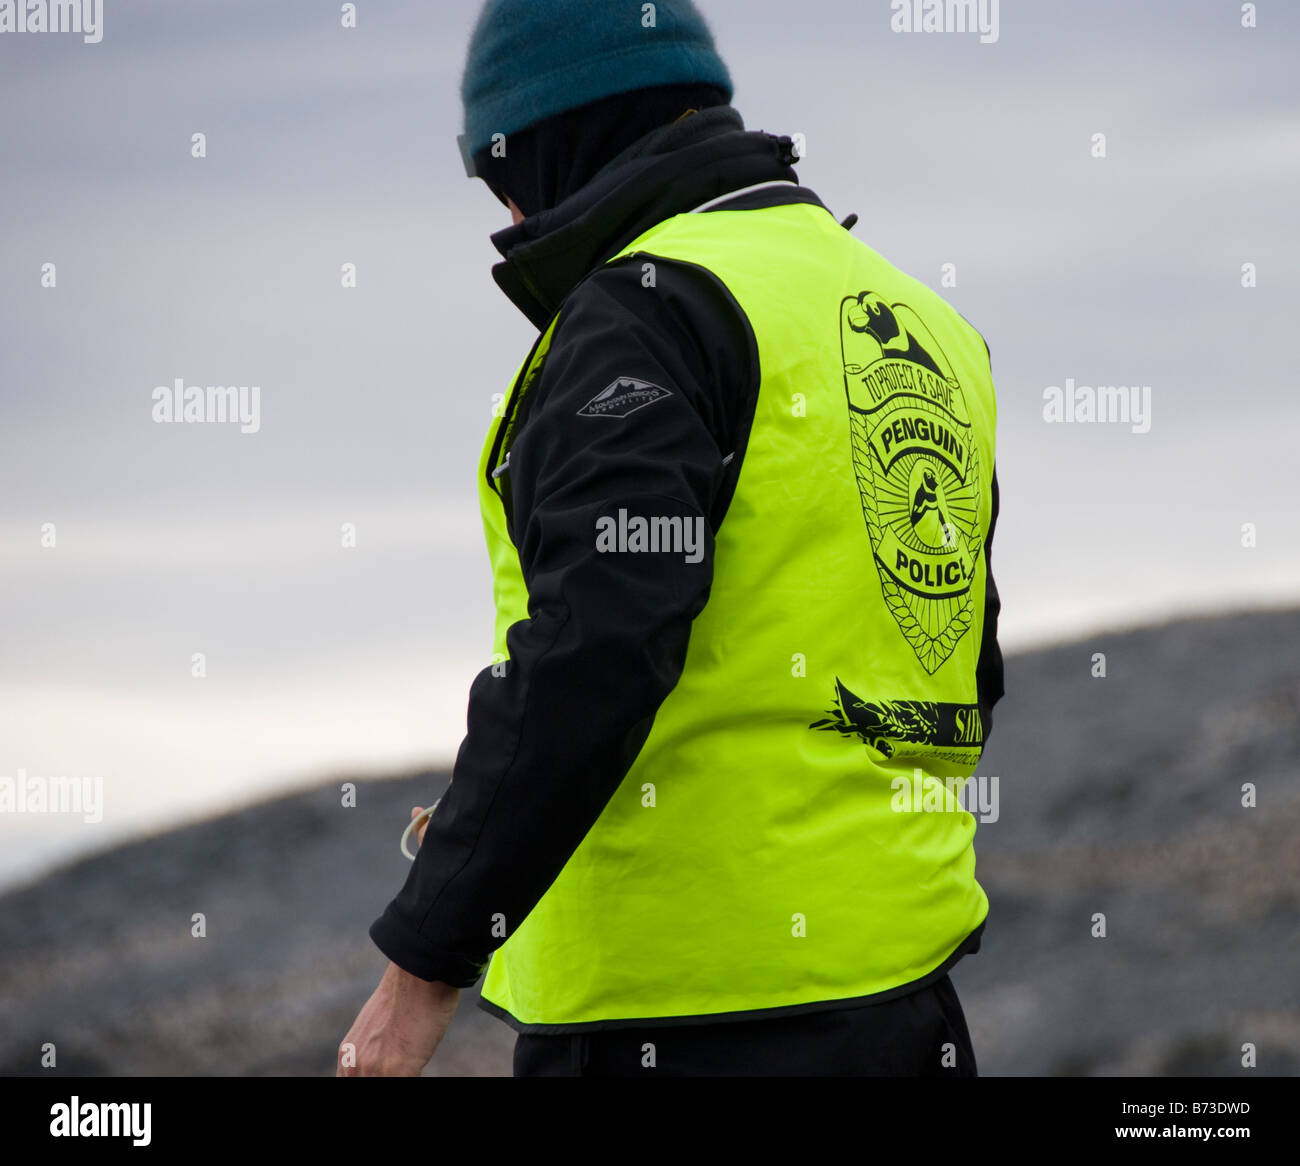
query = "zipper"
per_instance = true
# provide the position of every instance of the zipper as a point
(495, 471)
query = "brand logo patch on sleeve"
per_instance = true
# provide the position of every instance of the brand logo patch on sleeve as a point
(626, 395)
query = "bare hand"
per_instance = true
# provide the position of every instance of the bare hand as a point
(400, 1027)
(416, 811)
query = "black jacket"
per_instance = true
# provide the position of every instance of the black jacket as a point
(550, 741)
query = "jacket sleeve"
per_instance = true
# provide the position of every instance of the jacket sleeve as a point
(549, 741)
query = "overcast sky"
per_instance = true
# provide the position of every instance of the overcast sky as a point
(328, 146)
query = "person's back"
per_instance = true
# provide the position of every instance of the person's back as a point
(776, 826)
(739, 503)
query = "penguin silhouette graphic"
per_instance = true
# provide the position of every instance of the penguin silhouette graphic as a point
(929, 507)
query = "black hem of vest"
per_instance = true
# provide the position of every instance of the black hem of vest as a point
(964, 948)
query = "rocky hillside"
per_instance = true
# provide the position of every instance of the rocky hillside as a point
(1118, 796)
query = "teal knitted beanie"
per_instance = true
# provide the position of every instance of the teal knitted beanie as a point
(532, 59)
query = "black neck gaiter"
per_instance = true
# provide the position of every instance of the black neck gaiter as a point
(555, 158)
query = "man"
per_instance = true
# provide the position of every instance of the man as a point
(729, 646)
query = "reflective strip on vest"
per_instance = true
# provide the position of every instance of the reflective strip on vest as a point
(789, 833)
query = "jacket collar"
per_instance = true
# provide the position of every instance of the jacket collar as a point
(672, 170)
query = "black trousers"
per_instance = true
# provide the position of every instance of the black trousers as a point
(921, 1034)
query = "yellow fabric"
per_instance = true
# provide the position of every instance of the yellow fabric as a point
(750, 860)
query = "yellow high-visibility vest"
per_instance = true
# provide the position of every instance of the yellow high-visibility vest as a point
(790, 833)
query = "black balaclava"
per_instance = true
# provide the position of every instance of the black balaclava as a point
(549, 161)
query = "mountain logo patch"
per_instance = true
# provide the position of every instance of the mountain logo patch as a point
(626, 395)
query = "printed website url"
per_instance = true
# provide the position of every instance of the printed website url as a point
(1203, 1133)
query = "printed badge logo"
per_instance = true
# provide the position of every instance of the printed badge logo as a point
(626, 395)
(918, 470)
